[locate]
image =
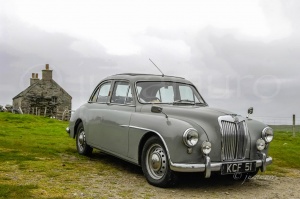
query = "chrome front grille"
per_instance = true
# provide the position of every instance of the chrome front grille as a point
(234, 137)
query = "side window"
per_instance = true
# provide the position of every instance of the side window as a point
(138, 89)
(166, 94)
(122, 93)
(187, 93)
(103, 92)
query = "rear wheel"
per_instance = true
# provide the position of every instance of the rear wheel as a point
(82, 147)
(155, 164)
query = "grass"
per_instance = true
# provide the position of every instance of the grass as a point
(285, 151)
(39, 160)
(16, 191)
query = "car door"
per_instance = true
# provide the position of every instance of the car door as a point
(96, 109)
(116, 119)
(110, 116)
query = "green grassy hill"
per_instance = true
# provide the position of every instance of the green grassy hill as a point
(285, 150)
(30, 145)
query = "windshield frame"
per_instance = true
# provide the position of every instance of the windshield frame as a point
(194, 89)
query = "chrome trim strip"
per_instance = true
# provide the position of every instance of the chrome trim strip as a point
(162, 139)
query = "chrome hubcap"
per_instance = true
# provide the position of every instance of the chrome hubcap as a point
(81, 137)
(81, 140)
(156, 161)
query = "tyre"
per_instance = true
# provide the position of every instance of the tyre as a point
(82, 147)
(155, 164)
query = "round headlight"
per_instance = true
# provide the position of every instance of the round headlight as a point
(190, 137)
(260, 144)
(206, 147)
(267, 134)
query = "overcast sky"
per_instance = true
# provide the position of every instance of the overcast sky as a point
(237, 53)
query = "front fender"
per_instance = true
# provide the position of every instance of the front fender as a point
(170, 130)
(255, 131)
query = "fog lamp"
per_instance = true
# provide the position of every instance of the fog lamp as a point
(206, 147)
(260, 144)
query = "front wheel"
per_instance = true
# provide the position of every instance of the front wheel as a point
(155, 164)
(82, 147)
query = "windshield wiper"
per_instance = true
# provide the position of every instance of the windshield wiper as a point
(184, 101)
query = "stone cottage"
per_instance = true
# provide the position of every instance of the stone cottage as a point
(43, 96)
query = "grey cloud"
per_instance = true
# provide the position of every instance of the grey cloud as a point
(231, 73)
(251, 72)
(26, 49)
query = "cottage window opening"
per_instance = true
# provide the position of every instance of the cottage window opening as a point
(54, 99)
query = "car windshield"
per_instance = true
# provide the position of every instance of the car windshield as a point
(168, 93)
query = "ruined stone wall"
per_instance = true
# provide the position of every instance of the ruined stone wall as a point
(17, 102)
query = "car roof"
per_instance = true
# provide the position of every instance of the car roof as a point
(135, 77)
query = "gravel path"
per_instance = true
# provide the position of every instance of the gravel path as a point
(262, 186)
(129, 182)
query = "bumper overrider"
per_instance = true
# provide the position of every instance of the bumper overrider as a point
(68, 130)
(209, 166)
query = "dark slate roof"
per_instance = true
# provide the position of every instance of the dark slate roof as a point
(25, 91)
(21, 94)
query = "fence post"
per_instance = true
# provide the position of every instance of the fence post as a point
(294, 123)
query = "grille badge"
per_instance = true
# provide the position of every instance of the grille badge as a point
(236, 119)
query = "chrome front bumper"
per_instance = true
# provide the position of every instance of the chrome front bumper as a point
(209, 166)
(68, 130)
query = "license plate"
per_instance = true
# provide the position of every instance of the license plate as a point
(239, 167)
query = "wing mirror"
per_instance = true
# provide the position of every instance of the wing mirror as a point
(158, 109)
(250, 111)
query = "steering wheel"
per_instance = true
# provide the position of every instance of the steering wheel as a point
(152, 99)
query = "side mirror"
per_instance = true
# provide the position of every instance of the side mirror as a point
(250, 111)
(156, 109)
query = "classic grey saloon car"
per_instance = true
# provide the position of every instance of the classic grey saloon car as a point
(163, 124)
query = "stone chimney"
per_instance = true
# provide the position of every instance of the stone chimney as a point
(34, 78)
(47, 74)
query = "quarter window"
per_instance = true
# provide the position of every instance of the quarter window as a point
(104, 92)
(94, 98)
